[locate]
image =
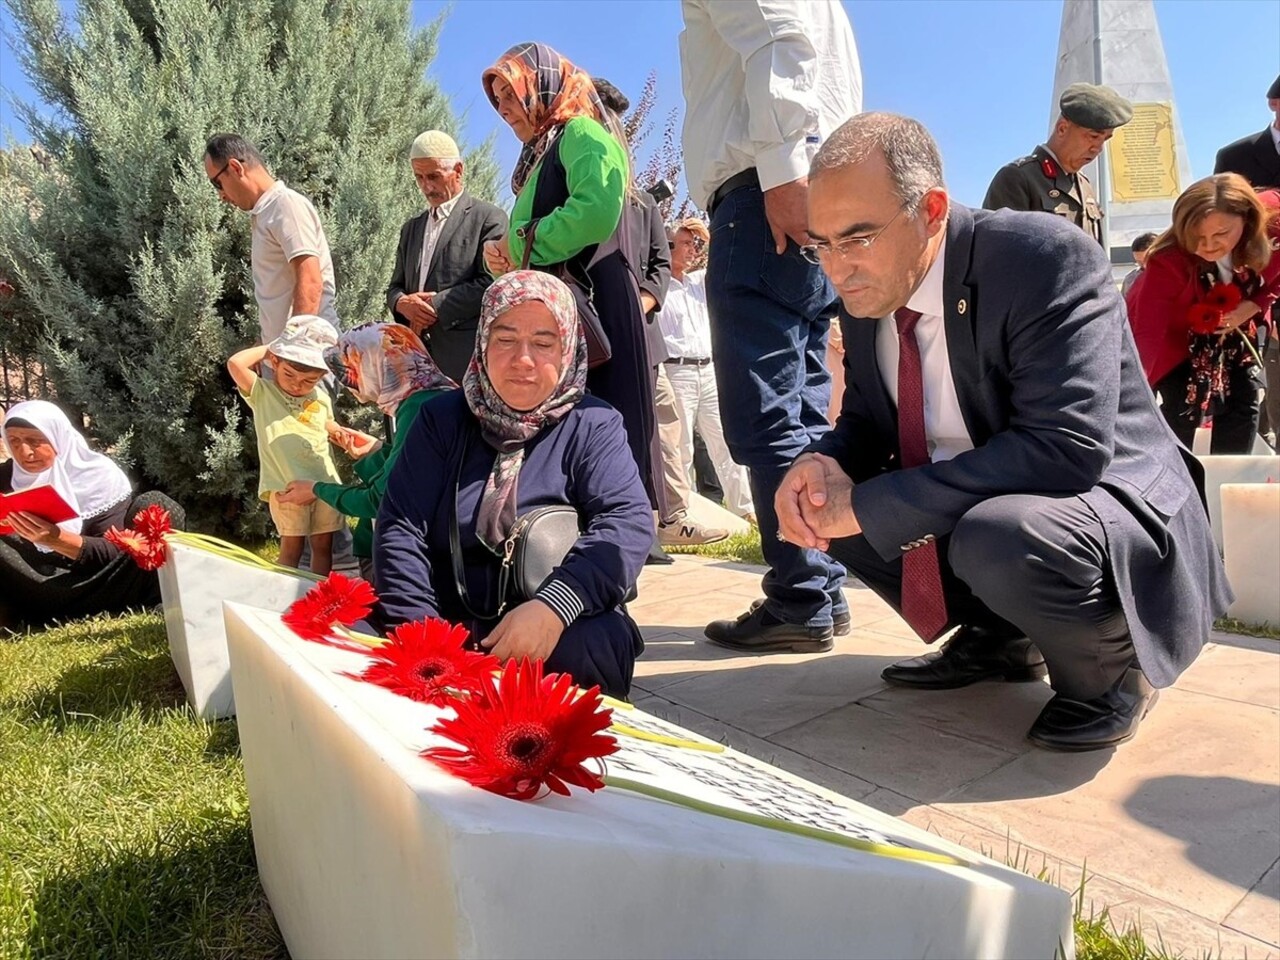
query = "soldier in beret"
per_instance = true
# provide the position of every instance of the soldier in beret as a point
(1050, 179)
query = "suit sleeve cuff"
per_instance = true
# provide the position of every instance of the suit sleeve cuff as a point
(562, 600)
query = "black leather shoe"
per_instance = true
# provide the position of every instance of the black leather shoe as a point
(1105, 721)
(972, 654)
(657, 557)
(841, 623)
(758, 631)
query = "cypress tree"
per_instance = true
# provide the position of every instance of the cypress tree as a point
(131, 277)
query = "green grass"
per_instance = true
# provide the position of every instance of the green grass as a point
(124, 824)
(1232, 625)
(740, 548)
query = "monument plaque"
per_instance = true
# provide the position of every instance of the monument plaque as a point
(1144, 160)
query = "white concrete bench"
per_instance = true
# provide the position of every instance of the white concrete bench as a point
(367, 850)
(193, 584)
(1251, 541)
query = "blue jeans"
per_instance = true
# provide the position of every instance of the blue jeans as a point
(769, 344)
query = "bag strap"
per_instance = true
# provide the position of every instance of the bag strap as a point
(455, 550)
(527, 234)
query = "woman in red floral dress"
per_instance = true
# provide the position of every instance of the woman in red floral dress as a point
(1201, 309)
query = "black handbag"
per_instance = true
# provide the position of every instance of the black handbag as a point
(599, 349)
(538, 543)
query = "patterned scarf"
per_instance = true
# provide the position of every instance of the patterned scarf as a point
(508, 430)
(553, 92)
(383, 363)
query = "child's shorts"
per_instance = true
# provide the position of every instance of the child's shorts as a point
(293, 520)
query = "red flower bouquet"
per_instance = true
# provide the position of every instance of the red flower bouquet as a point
(144, 541)
(336, 599)
(1207, 315)
(1223, 297)
(527, 732)
(425, 660)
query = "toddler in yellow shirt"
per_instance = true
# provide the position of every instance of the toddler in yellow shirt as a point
(292, 417)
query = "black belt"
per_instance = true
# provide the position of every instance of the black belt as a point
(689, 361)
(747, 178)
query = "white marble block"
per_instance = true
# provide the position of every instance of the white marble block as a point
(193, 584)
(1251, 540)
(1220, 470)
(1204, 437)
(367, 850)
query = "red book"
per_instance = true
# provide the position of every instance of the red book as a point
(43, 501)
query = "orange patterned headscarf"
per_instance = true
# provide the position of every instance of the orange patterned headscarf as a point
(553, 91)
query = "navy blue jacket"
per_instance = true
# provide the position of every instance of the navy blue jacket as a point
(1051, 390)
(582, 461)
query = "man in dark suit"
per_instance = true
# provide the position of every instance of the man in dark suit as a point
(1257, 159)
(439, 276)
(1257, 156)
(999, 464)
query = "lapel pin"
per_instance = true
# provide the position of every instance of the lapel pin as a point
(1055, 193)
(961, 307)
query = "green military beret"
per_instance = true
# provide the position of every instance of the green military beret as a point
(1274, 92)
(1095, 107)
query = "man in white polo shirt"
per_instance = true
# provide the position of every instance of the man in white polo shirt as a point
(292, 269)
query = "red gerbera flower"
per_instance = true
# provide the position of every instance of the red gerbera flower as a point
(145, 553)
(1223, 297)
(1203, 318)
(425, 660)
(525, 732)
(153, 522)
(337, 599)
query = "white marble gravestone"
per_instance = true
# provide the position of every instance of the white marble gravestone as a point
(1222, 470)
(1251, 550)
(367, 850)
(193, 584)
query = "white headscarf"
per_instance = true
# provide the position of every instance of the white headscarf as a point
(90, 482)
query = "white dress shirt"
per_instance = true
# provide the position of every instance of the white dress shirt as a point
(765, 82)
(944, 427)
(431, 236)
(683, 319)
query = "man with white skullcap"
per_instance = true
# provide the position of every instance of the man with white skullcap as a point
(439, 275)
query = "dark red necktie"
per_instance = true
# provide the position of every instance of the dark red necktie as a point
(923, 605)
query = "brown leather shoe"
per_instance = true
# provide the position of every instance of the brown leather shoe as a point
(972, 654)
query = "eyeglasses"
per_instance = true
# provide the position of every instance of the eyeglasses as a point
(815, 253)
(218, 176)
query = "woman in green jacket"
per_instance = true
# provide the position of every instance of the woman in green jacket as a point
(573, 177)
(386, 364)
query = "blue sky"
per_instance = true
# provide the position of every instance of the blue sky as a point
(978, 73)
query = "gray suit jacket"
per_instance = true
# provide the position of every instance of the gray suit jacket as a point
(1051, 390)
(457, 274)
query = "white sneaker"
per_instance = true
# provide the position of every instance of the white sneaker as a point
(689, 533)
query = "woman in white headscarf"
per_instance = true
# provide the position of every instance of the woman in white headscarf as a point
(66, 569)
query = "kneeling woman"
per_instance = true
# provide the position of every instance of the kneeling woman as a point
(68, 570)
(520, 435)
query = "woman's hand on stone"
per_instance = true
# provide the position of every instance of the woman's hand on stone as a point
(529, 630)
(300, 492)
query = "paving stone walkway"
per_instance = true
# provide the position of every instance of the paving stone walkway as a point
(1179, 828)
